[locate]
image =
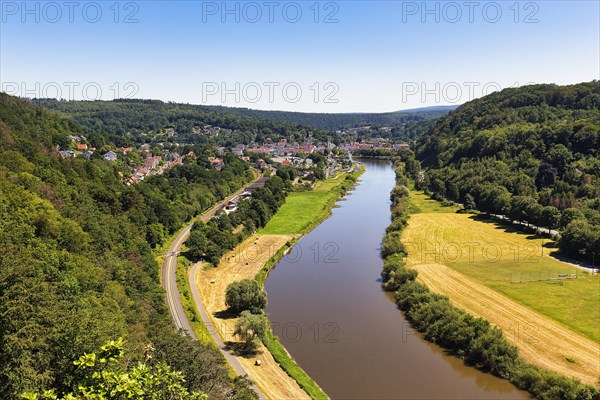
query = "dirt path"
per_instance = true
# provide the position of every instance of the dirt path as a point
(245, 262)
(540, 340)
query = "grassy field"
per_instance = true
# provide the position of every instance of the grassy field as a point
(515, 264)
(304, 210)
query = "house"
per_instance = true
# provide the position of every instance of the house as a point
(231, 207)
(216, 163)
(67, 153)
(82, 147)
(88, 154)
(110, 156)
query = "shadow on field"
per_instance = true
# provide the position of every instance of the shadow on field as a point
(509, 227)
(240, 349)
(225, 314)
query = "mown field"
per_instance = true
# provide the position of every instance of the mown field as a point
(302, 210)
(515, 264)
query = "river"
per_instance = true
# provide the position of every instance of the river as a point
(329, 311)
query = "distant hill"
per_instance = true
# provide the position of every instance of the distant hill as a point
(532, 153)
(344, 120)
(124, 115)
(132, 119)
(441, 109)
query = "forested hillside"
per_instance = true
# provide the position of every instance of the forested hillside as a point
(142, 121)
(531, 153)
(336, 121)
(141, 116)
(76, 266)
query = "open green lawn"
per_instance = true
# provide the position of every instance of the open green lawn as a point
(303, 210)
(503, 258)
(421, 203)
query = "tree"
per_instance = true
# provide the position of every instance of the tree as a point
(245, 295)
(520, 207)
(470, 202)
(550, 217)
(103, 378)
(569, 215)
(251, 329)
(197, 244)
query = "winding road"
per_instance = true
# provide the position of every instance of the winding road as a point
(168, 278)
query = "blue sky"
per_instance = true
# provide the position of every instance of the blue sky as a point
(351, 56)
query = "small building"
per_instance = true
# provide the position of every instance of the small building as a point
(231, 207)
(82, 146)
(110, 156)
(67, 153)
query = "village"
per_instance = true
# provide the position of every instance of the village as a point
(293, 154)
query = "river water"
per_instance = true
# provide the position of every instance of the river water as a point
(329, 311)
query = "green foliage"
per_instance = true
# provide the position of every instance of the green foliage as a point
(209, 241)
(246, 295)
(102, 377)
(76, 266)
(251, 329)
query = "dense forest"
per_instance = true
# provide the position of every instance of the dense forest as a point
(531, 153)
(337, 121)
(77, 268)
(128, 121)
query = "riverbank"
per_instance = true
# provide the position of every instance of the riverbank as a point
(278, 376)
(474, 339)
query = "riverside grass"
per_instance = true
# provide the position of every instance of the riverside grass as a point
(302, 211)
(505, 259)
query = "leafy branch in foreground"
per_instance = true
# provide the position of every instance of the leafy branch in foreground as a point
(104, 378)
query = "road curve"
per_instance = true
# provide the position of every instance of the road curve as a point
(168, 279)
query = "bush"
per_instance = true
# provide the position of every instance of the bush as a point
(391, 244)
(245, 295)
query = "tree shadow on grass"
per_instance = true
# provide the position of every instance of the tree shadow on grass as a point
(225, 314)
(240, 349)
(509, 227)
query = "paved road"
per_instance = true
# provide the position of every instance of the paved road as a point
(168, 278)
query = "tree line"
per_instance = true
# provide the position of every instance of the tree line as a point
(209, 241)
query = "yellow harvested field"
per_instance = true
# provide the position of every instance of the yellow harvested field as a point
(501, 275)
(245, 262)
(540, 340)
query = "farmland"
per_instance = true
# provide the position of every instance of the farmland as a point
(511, 279)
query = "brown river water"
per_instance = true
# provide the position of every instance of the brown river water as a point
(329, 311)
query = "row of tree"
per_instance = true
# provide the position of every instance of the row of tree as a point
(209, 241)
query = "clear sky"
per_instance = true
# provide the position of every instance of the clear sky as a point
(329, 56)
